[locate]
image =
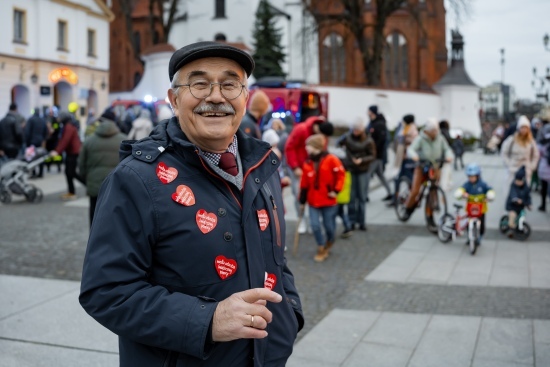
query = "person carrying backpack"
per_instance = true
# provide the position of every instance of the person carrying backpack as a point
(520, 150)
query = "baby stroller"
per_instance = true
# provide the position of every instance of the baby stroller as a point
(14, 176)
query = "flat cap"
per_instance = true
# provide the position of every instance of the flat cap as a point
(200, 50)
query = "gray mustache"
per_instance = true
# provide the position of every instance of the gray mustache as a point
(215, 108)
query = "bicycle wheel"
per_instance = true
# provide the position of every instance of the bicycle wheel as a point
(473, 240)
(435, 208)
(446, 228)
(403, 191)
(503, 224)
(523, 234)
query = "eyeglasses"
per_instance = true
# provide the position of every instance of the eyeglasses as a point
(201, 89)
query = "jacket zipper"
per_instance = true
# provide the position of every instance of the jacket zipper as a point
(275, 216)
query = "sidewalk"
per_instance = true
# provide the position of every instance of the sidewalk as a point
(42, 324)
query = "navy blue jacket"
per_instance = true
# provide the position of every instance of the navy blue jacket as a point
(518, 192)
(150, 272)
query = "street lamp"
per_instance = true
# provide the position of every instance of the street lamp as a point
(34, 78)
(546, 40)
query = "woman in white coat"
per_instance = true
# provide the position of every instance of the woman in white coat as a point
(142, 126)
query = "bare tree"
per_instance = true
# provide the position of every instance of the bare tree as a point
(166, 19)
(352, 18)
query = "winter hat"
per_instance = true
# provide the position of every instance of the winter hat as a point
(108, 114)
(65, 116)
(520, 174)
(326, 128)
(316, 141)
(523, 121)
(270, 136)
(374, 109)
(259, 103)
(408, 119)
(358, 124)
(431, 124)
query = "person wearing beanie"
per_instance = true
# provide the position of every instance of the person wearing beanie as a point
(69, 144)
(257, 108)
(295, 153)
(322, 180)
(99, 156)
(519, 198)
(378, 131)
(520, 150)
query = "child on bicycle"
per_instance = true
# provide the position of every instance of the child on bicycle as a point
(519, 197)
(475, 190)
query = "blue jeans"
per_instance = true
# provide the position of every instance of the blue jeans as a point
(329, 223)
(358, 197)
(343, 213)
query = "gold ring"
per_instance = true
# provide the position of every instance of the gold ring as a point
(251, 321)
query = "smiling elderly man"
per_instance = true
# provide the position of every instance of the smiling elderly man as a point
(185, 260)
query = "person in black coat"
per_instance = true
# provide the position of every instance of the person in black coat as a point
(518, 199)
(379, 133)
(36, 133)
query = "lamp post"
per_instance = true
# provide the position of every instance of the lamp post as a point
(539, 87)
(546, 40)
(502, 64)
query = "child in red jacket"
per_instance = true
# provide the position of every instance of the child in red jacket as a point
(322, 179)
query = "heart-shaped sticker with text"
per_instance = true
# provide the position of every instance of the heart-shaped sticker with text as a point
(263, 219)
(225, 267)
(166, 174)
(206, 221)
(270, 281)
(184, 196)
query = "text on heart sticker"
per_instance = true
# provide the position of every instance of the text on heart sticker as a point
(270, 281)
(166, 174)
(206, 221)
(263, 219)
(184, 195)
(224, 266)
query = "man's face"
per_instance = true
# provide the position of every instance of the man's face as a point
(209, 123)
(372, 116)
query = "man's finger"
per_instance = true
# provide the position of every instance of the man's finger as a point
(256, 294)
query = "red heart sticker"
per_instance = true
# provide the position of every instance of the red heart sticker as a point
(184, 195)
(166, 174)
(263, 219)
(206, 221)
(225, 267)
(270, 281)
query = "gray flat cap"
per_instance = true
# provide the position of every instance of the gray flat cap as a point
(200, 50)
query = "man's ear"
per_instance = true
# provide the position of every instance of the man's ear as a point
(173, 101)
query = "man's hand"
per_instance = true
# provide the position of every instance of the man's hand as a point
(332, 194)
(415, 158)
(448, 160)
(357, 161)
(53, 153)
(243, 315)
(298, 172)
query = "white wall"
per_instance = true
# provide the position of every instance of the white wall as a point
(155, 80)
(345, 104)
(460, 106)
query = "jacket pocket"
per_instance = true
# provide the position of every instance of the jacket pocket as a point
(277, 243)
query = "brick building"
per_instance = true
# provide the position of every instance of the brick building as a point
(415, 55)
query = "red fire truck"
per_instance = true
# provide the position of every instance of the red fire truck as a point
(294, 99)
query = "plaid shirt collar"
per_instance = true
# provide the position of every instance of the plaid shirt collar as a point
(214, 158)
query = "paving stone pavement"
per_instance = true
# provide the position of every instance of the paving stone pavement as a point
(349, 317)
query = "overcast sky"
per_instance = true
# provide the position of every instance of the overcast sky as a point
(518, 26)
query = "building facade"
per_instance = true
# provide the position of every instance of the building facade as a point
(54, 52)
(415, 53)
(497, 101)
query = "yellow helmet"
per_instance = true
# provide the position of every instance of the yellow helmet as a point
(73, 107)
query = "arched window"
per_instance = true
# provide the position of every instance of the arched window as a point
(396, 61)
(334, 59)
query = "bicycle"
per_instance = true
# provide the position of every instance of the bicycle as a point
(436, 201)
(450, 227)
(523, 229)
